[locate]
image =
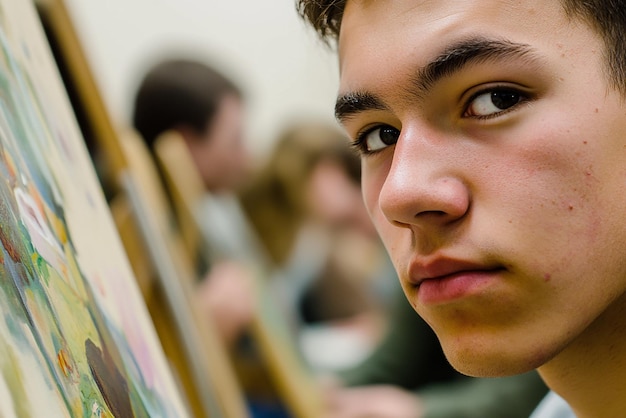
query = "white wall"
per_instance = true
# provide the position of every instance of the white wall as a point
(262, 44)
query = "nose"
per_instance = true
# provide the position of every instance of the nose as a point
(423, 187)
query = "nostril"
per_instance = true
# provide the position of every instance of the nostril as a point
(438, 217)
(433, 213)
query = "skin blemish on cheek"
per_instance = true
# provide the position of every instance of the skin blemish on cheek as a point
(547, 277)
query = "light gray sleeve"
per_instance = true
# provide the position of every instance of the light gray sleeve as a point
(553, 406)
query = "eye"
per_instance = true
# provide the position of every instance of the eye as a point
(493, 102)
(376, 139)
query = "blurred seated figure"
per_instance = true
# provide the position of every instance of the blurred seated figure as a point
(206, 109)
(307, 208)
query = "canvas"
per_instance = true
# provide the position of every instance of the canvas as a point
(75, 336)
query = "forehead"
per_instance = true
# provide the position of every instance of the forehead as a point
(383, 34)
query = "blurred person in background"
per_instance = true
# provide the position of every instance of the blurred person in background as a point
(207, 110)
(306, 206)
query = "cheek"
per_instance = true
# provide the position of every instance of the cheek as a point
(548, 164)
(541, 189)
(215, 156)
(552, 197)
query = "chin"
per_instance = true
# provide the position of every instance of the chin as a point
(498, 359)
(481, 365)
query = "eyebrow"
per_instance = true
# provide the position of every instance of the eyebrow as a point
(352, 103)
(451, 60)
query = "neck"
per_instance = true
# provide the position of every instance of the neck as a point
(590, 374)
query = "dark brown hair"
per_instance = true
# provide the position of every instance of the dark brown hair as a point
(179, 93)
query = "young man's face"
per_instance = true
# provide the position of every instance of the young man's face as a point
(497, 174)
(219, 152)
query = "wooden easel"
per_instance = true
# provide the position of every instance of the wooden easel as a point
(193, 348)
(207, 360)
(270, 332)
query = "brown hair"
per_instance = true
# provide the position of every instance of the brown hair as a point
(179, 93)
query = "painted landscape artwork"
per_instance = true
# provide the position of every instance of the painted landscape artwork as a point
(75, 337)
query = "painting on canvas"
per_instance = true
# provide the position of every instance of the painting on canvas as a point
(75, 336)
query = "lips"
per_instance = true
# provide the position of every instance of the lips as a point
(441, 268)
(447, 280)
